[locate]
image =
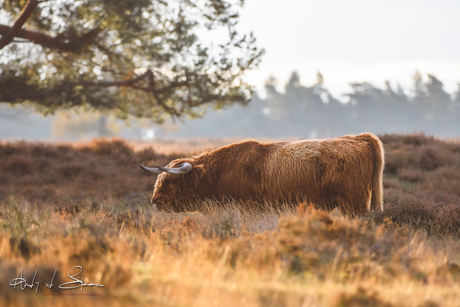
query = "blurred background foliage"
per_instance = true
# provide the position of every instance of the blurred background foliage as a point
(140, 70)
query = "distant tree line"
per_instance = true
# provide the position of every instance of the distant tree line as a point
(300, 111)
(311, 111)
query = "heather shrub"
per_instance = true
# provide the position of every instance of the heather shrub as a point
(422, 184)
(437, 214)
(430, 158)
(100, 169)
(411, 175)
(407, 139)
(418, 152)
(313, 241)
(443, 180)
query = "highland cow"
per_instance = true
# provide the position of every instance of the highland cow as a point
(344, 172)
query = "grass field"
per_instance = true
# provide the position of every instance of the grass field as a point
(88, 205)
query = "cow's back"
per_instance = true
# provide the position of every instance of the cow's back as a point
(314, 169)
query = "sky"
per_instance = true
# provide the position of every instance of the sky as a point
(355, 41)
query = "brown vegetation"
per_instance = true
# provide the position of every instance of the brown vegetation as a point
(422, 184)
(62, 206)
(53, 174)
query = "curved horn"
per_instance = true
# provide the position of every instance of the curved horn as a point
(184, 169)
(150, 169)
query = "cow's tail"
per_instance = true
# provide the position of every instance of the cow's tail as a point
(379, 163)
(377, 173)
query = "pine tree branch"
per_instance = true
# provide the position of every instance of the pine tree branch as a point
(67, 85)
(8, 36)
(47, 41)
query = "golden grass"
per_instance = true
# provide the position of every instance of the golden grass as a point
(224, 257)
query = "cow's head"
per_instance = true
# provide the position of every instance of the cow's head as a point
(177, 183)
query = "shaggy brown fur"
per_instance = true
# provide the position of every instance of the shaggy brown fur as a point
(344, 172)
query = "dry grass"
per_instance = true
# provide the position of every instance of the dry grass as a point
(62, 206)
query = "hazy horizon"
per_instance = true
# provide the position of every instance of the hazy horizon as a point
(355, 41)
